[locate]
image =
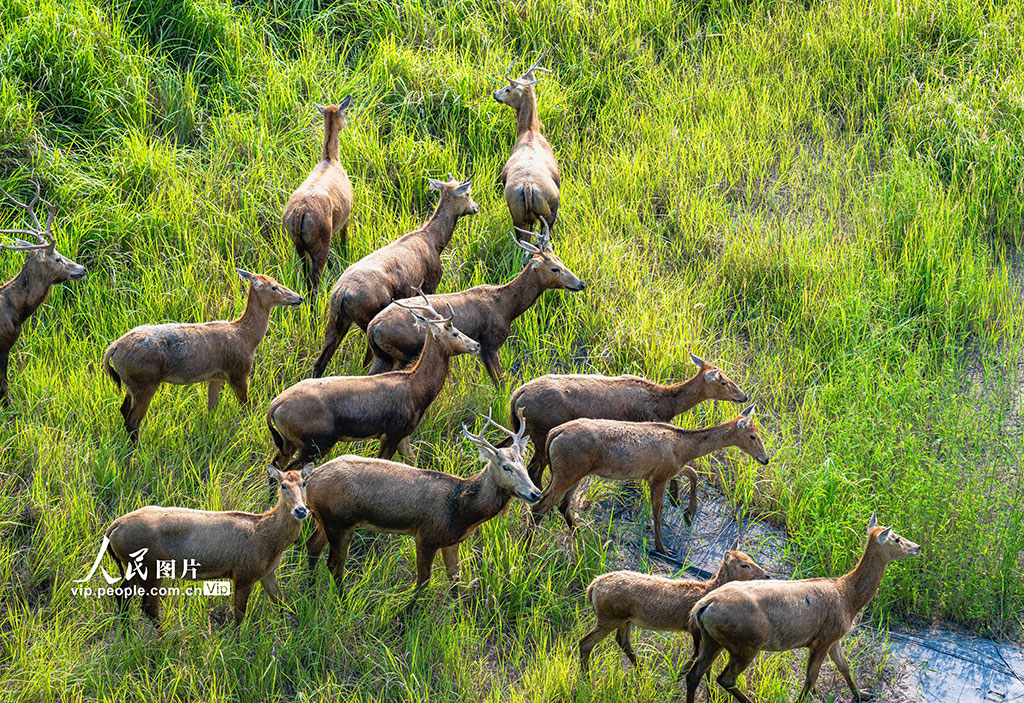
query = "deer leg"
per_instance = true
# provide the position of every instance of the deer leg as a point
(590, 640)
(405, 449)
(269, 582)
(240, 386)
(564, 506)
(450, 555)
(339, 554)
(738, 662)
(691, 509)
(624, 641)
(555, 491)
(493, 365)
(538, 462)
(151, 600)
(693, 655)
(388, 447)
(424, 560)
(315, 263)
(657, 489)
(5, 357)
(213, 394)
(704, 658)
(814, 660)
(126, 406)
(241, 600)
(835, 653)
(141, 398)
(336, 330)
(315, 545)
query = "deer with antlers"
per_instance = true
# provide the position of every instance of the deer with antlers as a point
(484, 312)
(530, 177)
(44, 267)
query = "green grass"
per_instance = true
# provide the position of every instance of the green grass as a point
(823, 197)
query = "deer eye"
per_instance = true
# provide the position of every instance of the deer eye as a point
(554, 270)
(753, 436)
(303, 484)
(746, 566)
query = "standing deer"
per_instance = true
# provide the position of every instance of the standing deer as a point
(44, 267)
(776, 616)
(322, 204)
(622, 599)
(243, 547)
(438, 510)
(390, 273)
(183, 354)
(485, 312)
(530, 177)
(309, 418)
(653, 451)
(552, 400)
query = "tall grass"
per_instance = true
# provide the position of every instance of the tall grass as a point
(824, 197)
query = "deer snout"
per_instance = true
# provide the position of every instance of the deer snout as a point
(578, 286)
(763, 461)
(300, 512)
(76, 272)
(297, 300)
(740, 398)
(533, 496)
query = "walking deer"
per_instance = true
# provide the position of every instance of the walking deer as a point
(776, 616)
(653, 451)
(243, 547)
(484, 312)
(309, 418)
(622, 599)
(187, 353)
(414, 259)
(322, 204)
(44, 267)
(530, 177)
(437, 510)
(552, 400)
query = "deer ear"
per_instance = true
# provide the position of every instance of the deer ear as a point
(873, 521)
(711, 376)
(244, 274)
(435, 184)
(320, 108)
(275, 475)
(307, 470)
(345, 103)
(464, 188)
(883, 536)
(485, 455)
(735, 544)
(697, 361)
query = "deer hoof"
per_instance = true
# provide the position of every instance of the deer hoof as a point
(864, 696)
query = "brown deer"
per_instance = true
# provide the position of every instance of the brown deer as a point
(322, 204)
(530, 177)
(484, 312)
(437, 510)
(243, 547)
(183, 353)
(44, 267)
(653, 451)
(776, 616)
(414, 259)
(622, 599)
(309, 418)
(552, 400)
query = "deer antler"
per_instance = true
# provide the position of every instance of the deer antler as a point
(37, 230)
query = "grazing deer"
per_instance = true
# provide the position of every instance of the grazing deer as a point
(776, 616)
(322, 204)
(530, 177)
(484, 312)
(309, 418)
(653, 451)
(44, 267)
(414, 259)
(437, 510)
(553, 400)
(243, 547)
(622, 599)
(183, 354)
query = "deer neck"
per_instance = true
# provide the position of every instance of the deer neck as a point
(698, 443)
(680, 397)
(860, 585)
(526, 116)
(332, 129)
(717, 580)
(277, 529)
(518, 295)
(254, 321)
(441, 225)
(481, 498)
(429, 372)
(26, 291)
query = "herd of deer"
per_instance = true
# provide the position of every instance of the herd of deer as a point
(579, 425)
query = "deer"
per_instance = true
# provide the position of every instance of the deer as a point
(483, 312)
(553, 399)
(652, 451)
(243, 547)
(44, 268)
(322, 204)
(530, 177)
(414, 259)
(307, 419)
(438, 510)
(622, 599)
(777, 616)
(214, 353)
